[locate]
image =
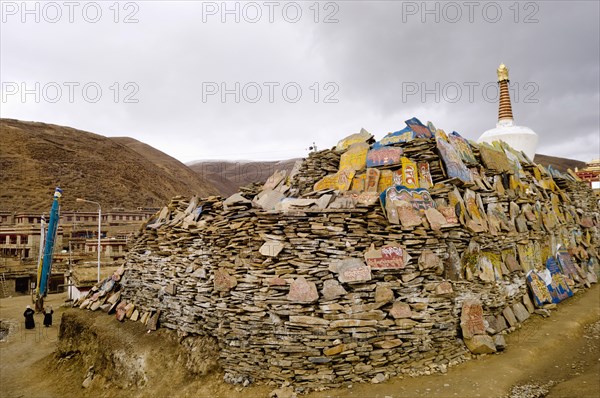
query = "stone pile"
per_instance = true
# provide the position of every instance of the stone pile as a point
(267, 293)
(366, 261)
(315, 167)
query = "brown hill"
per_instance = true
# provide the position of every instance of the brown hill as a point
(36, 157)
(228, 176)
(168, 164)
(561, 164)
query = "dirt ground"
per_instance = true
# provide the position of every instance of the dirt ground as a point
(23, 348)
(555, 357)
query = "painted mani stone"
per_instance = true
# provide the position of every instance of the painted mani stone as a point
(420, 130)
(561, 289)
(372, 180)
(384, 156)
(425, 180)
(462, 147)
(387, 257)
(409, 174)
(455, 168)
(539, 289)
(355, 157)
(401, 203)
(340, 181)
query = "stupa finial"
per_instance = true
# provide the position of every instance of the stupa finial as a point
(502, 73)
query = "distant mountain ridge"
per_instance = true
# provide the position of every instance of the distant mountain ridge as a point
(116, 172)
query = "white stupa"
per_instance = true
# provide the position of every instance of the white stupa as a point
(519, 137)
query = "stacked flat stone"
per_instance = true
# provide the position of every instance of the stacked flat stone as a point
(270, 286)
(316, 166)
(302, 342)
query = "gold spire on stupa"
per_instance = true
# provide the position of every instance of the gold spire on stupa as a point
(502, 73)
(505, 109)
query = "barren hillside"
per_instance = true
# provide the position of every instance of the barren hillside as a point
(36, 157)
(561, 164)
(228, 176)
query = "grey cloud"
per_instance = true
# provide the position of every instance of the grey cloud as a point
(372, 55)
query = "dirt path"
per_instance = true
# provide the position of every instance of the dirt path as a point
(560, 354)
(22, 348)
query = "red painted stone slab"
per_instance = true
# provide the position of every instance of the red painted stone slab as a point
(471, 318)
(384, 156)
(387, 257)
(303, 291)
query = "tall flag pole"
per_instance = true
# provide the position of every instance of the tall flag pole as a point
(41, 250)
(49, 248)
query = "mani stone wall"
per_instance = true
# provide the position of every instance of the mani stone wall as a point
(287, 317)
(299, 295)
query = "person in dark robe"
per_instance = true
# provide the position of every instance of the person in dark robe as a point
(29, 321)
(48, 316)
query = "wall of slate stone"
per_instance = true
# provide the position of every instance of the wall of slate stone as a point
(268, 285)
(352, 331)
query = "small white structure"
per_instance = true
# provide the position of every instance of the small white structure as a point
(81, 279)
(519, 137)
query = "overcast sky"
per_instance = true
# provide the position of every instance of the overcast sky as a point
(264, 80)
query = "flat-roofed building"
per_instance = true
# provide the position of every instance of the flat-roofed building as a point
(591, 174)
(110, 248)
(22, 241)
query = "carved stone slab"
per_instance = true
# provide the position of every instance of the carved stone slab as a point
(303, 291)
(340, 181)
(355, 157)
(384, 156)
(538, 288)
(224, 282)
(387, 257)
(361, 137)
(471, 318)
(425, 180)
(372, 180)
(561, 289)
(420, 130)
(386, 180)
(404, 135)
(455, 168)
(462, 147)
(351, 270)
(410, 174)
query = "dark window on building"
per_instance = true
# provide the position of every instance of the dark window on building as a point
(22, 285)
(55, 284)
